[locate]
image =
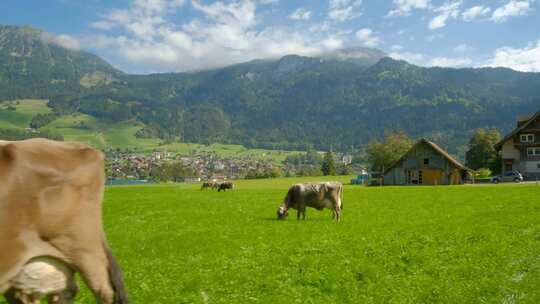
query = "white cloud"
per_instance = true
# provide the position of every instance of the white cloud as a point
(103, 25)
(463, 48)
(141, 19)
(526, 59)
(450, 62)
(226, 32)
(300, 14)
(415, 58)
(332, 43)
(511, 9)
(422, 60)
(447, 10)
(65, 41)
(366, 37)
(404, 7)
(343, 10)
(475, 13)
(396, 47)
(438, 22)
(433, 37)
(451, 6)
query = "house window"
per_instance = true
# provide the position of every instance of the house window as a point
(533, 151)
(527, 138)
(538, 166)
(426, 161)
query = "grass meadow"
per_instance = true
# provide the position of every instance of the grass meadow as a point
(445, 244)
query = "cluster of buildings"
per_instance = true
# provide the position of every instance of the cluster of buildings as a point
(428, 164)
(210, 166)
(207, 166)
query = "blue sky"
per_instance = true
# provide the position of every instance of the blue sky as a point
(145, 36)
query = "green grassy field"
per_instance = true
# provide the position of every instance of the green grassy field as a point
(105, 134)
(453, 244)
(24, 111)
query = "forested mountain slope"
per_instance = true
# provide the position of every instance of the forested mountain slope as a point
(338, 100)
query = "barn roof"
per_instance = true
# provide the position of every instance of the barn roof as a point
(437, 149)
(516, 130)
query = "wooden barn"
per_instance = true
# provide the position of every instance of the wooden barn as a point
(426, 164)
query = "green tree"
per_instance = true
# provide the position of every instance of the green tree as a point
(309, 170)
(482, 153)
(382, 154)
(41, 120)
(343, 169)
(328, 167)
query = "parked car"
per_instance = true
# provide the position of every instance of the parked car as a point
(509, 176)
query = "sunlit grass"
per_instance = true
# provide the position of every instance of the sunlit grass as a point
(460, 244)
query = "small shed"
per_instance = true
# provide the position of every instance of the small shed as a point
(426, 164)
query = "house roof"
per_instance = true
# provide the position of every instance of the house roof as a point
(437, 149)
(516, 130)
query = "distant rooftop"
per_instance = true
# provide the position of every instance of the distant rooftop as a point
(523, 117)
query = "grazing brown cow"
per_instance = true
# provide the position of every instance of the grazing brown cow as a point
(224, 186)
(50, 206)
(207, 185)
(315, 195)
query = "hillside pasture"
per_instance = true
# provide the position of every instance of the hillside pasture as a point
(22, 115)
(445, 244)
(104, 134)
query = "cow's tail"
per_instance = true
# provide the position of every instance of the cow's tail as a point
(116, 278)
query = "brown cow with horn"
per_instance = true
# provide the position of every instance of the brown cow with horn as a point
(316, 195)
(50, 207)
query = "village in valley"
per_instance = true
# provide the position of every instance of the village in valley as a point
(425, 163)
(130, 167)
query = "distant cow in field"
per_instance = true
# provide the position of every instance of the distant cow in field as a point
(225, 185)
(51, 207)
(207, 185)
(316, 195)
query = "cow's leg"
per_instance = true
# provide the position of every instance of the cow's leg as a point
(13, 255)
(337, 212)
(301, 211)
(93, 269)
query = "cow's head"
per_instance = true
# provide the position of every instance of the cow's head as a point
(282, 212)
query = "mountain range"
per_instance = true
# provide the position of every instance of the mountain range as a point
(338, 100)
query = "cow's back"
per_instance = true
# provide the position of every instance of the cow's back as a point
(43, 170)
(319, 195)
(51, 192)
